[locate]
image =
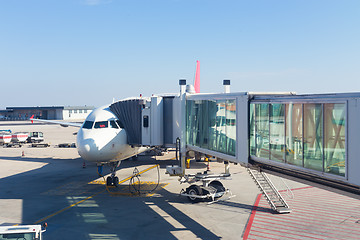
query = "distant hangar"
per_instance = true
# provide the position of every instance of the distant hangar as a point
(50, 113)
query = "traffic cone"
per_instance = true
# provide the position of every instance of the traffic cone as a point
(208, 167)
(84, 165)
(23, 154)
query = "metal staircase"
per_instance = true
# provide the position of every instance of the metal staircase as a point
(271, 194)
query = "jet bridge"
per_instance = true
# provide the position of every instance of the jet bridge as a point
(312, 136)
(148, 121)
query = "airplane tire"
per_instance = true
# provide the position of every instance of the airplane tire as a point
(194, 190)
(115, 181)
(109, 181)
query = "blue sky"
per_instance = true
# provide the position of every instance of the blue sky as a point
(78, 52)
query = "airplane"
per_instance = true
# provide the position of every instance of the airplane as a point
(102, 139)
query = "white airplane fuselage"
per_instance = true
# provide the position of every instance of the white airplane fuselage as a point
(101, 140)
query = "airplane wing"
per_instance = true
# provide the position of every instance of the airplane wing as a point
(63, 124)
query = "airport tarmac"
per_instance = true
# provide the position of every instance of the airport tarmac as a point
(50, 185)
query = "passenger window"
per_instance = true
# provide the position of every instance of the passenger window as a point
(113, 124)
(88, 124)
(103, 124)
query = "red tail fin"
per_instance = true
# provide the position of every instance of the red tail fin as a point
(197, 77)
(32, 117)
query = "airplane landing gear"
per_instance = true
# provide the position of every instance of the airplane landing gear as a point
(113, 180)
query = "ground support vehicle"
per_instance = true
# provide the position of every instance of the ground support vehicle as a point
(23, 232)
(35, 137)
(40, 145)
(211, 189)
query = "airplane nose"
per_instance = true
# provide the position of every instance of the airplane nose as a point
(95, 147)
(87, 148)
(88, 151)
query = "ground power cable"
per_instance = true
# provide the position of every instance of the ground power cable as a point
(136, 176)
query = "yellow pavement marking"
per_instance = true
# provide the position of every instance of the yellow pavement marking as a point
(81, 201)
(152, 194)
(126, 179)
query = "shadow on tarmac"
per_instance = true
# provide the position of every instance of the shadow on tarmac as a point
(63, 182)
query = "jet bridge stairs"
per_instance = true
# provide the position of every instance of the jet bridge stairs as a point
(269, 191)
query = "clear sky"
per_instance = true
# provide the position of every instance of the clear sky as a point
(87, 52)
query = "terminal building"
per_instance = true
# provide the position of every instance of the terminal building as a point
(313, 135)
(49, 113)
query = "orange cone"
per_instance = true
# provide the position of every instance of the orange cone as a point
(84, 165)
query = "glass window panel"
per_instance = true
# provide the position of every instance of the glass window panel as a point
(221, 126)
(230, 127)
(102, 124)
(294, 126)
(196, 122)
(212, 125)
(252, 130)
(88, 124)
(313, 135)
(113, 124)
(204, 142)
(191, 132)
(277, 132)
(262, 130)
(334, 138)
(189, 122)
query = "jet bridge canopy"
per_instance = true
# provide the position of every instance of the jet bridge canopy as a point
(129, 114)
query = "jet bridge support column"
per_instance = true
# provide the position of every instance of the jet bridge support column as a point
(182, 124)
(179, 131)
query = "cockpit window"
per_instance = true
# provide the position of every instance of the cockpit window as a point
(88, 124)
(103, 124)
(113, 124)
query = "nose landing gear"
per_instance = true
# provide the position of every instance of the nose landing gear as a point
(111, 180)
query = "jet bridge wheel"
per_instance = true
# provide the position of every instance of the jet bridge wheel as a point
(220, 189)
(194, 190)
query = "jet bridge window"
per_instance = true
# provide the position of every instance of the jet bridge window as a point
(88, 124)
(103, 124)
(146, 121)
(113, 124)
